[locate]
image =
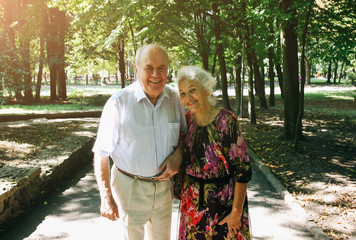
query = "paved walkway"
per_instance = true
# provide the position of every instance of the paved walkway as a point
(73, 213)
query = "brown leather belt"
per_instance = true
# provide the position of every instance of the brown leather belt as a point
(148, 179)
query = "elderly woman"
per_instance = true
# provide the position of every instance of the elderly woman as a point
(213, 196)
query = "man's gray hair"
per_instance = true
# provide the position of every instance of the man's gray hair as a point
(147, 46)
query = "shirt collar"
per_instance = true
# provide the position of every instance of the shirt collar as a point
(140, 94)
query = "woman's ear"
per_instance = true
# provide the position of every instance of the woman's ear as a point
(207, 92)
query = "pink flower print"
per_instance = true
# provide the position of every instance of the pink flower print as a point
(240, 236)
(224, 123)
(239, 151)
(220, 156)
(183, 223)
(188, 136)
(189, 170)
(233, 151)
(209, 227)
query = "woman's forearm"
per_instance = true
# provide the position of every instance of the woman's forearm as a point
(239, 198)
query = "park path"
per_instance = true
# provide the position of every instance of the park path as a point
(72, 212)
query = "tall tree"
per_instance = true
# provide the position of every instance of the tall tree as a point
(43, 23)
(11, 59)
(62, 88)
(25, 51)
(202, 39)
(298, 128)
(290, 67)
(221, 57)
(271, 66)
(52, 51)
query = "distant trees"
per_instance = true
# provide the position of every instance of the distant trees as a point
(25, 27)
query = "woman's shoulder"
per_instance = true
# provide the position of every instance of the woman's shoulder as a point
(224, 113)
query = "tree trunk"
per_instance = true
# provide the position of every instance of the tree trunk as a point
(259, 80)
(121, 54)
(203, 41)
(341, 70)
(290, 69)
(278, 67)
(260, 86)
(41, 60)
(280, 79)
(271, 67)
(335, 71)
(214, 64)
(28, 97)
(238, 85)
(307, 71)
(272, 102)
(52, 47)
(62, 88)
(251, 97)
(221, 57)
(298, 129)
(25, 53)
(329, 73)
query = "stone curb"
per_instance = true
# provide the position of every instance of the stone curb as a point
(29, 183)
(288, 198)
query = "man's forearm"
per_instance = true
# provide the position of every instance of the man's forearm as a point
(102, 173)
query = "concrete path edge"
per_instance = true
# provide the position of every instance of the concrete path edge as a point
(288, 198)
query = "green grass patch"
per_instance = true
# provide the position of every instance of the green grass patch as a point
(325, 96)
(16, 108)
(334, 103)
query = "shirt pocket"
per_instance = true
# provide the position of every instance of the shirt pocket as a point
(173, 134)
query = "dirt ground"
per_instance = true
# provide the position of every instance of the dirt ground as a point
(321, 175)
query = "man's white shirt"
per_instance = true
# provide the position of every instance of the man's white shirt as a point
(138, 135)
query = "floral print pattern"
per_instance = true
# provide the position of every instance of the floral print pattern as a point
(212, 153)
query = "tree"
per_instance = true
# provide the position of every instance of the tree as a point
(221, 57)
(298, 128)
(290, 67)
(43, 22)
(271, 66)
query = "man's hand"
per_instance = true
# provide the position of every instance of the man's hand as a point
(171, 165)
(108, 207)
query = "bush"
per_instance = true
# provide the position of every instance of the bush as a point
(352, 77)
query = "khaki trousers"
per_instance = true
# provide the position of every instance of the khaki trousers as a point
(145, 208)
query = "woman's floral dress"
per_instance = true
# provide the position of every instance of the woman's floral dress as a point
(215, 156)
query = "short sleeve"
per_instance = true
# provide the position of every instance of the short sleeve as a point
(107, 136)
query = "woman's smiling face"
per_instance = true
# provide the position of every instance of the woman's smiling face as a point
(193, 95)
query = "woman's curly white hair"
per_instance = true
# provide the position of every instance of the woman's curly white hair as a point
(196, 73)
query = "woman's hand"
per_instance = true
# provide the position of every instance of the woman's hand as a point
(233, 221)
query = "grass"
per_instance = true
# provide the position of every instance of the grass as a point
(75, 102)
(11, 109)
(342, 104)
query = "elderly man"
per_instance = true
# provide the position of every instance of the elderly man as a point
(140, 129)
